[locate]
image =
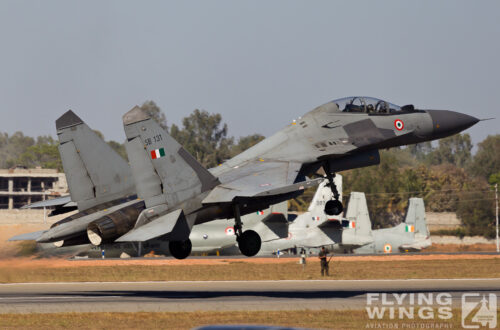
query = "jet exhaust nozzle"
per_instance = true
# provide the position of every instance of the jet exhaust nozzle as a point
(79, 240)
(113, 225)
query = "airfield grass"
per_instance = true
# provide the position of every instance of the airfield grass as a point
(284, 269)
(321, 319)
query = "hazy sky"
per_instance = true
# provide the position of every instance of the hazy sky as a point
(258, 63)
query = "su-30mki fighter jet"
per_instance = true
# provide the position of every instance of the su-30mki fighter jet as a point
(177, 192)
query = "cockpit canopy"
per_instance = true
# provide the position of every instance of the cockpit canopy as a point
(366, 105)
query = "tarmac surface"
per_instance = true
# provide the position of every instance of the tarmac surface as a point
(289, 256)
(222, 295)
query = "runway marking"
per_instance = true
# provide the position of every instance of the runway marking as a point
(258, 281)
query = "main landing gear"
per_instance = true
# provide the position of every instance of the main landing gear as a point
(249, 241)
(180, 249)
(334, 206)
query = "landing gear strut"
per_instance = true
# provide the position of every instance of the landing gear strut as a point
(180, 249)
(249, 241)
(334, 206)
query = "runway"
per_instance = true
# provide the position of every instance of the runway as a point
(291, 256)
(220, 295)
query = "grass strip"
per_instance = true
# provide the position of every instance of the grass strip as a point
(322, 319)
(237, 270)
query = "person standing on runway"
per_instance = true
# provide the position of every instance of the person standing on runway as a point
(324, 262)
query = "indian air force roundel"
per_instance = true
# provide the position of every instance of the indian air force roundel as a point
(398, 123)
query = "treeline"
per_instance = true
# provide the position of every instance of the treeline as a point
(445, 174)
(21, 150)
(203, 134)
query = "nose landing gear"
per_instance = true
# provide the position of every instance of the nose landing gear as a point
(334, 206)
(249, 242)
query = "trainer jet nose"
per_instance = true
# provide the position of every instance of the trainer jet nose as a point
(446, 123)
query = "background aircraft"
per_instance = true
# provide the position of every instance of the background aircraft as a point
(354, 233)
(410, 235)
(314, 228)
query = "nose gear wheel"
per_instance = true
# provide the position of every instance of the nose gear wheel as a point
(334, 206)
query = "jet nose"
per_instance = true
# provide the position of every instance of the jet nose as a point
(446, 123)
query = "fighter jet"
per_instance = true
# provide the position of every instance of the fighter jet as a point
(409, 236)
(176, 192)
(339, 135)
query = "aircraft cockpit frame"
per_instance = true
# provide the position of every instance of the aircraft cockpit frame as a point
(370, 105)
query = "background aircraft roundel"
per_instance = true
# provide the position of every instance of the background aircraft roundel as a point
(229, 231)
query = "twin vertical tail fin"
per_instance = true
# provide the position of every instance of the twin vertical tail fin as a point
(357, 212)
(96, 174)
(165, 175)
(164, 172)
(415, 218)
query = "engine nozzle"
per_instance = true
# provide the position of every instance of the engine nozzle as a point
(111, 226)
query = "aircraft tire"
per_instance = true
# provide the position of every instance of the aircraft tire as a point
(333, 207)
(249, 243)
(180, 249)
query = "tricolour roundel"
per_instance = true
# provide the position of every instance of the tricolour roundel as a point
(387, 248)
(229, 231)
(398, 123)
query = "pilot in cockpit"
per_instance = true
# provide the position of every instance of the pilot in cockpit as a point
(382, 107)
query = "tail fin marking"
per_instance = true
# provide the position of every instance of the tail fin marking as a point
(415, 217)
(357, 212)
(176, 172)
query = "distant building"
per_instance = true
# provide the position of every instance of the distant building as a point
(20, 186)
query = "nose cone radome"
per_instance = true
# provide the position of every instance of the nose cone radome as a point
(446, 123)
